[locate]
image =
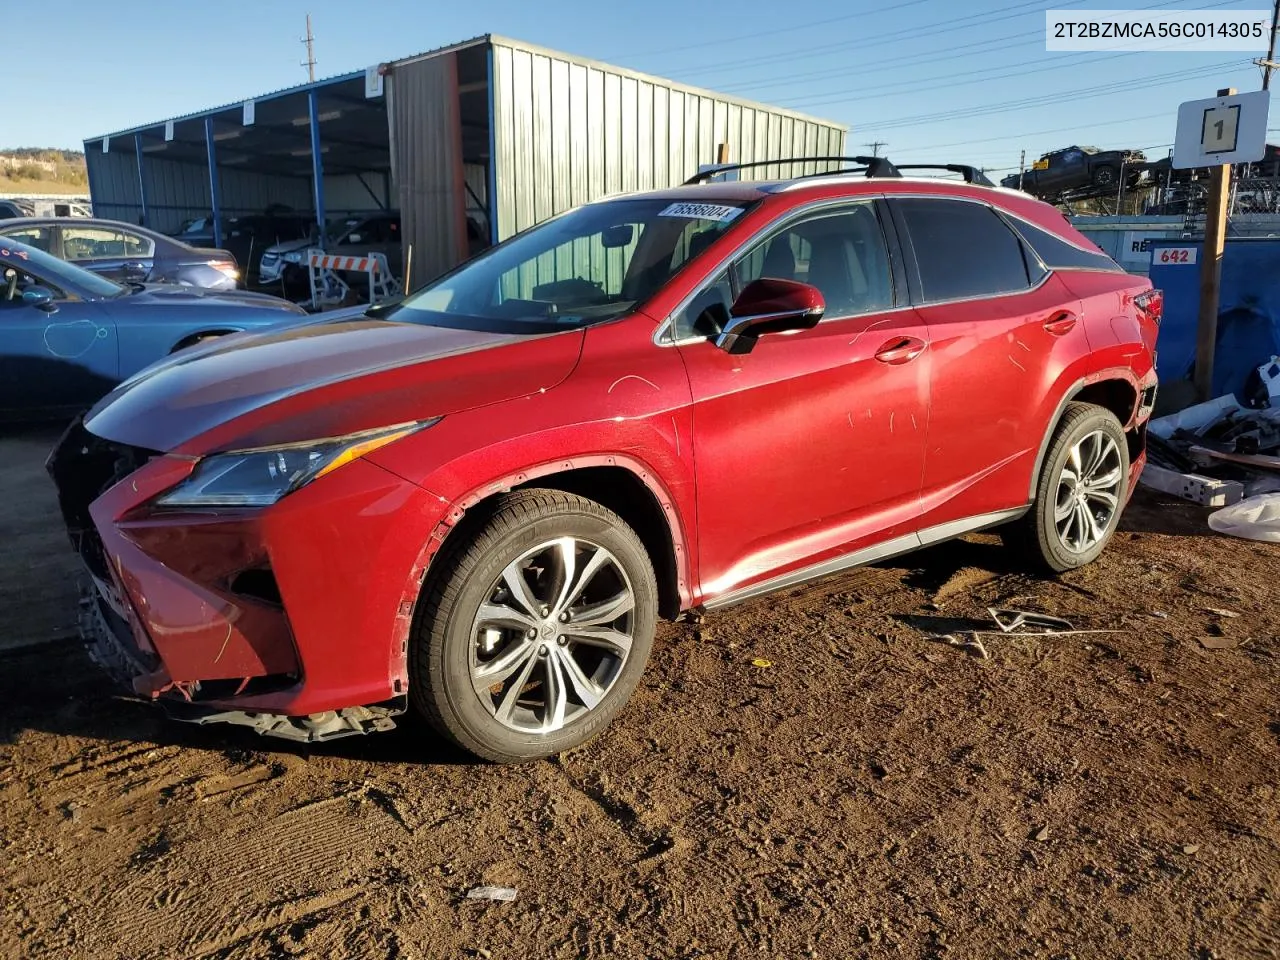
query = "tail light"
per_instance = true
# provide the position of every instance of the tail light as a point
(1150, 304)
(227, 268)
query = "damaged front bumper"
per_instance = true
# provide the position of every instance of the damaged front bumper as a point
(109, 644)
(292, 620)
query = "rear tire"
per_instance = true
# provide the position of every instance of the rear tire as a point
(1080, 492)
(534, 627)
(1105, 177)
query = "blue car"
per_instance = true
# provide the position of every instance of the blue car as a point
(67, 336)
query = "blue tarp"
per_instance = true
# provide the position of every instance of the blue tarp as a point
(1248, 311)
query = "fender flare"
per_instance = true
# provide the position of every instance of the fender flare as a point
(1111, 373)
(457, 509)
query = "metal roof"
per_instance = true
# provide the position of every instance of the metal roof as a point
(490, 38)
(233, 105)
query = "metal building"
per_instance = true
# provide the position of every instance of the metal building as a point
(472, 143)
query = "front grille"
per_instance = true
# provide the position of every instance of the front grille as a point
(83, 467)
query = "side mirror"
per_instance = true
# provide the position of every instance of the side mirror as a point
(39, 297)
(770, 306)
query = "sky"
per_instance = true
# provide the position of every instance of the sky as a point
(931, 80)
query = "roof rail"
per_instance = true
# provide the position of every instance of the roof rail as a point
(970, 174)
(871, 167)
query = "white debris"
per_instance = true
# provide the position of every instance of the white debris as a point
(1257, 518)
(501, 894)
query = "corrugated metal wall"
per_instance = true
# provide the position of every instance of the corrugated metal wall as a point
(180, 191)
(426, 163)
(567, 132)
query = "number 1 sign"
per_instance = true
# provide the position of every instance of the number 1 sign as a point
(1222, 130)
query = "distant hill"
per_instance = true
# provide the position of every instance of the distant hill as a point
(42, 170)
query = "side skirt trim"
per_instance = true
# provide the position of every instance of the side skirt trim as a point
(871, 554)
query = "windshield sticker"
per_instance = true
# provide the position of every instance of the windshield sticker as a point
(702, 211)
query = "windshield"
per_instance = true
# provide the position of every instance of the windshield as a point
(592, 264)
(59, 273)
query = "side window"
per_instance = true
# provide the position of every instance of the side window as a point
(13, 282)
(841, 252)
(136, 245)
(38, 237)
(963, 249)
(1060, 255)
(92, 243)
(690, 322)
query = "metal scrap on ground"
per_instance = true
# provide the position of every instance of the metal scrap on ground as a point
(1013, 623)
(1216, 454)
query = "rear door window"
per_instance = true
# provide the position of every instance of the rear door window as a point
(93, 243)
(963, 249)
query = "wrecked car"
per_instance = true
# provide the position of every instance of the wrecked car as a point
(477, 503)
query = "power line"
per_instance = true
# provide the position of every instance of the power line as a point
(918, 84)
(875, 66)
(1039, 133)
(871, 67)
(940, 27)
(1083, 93)
(774, 32)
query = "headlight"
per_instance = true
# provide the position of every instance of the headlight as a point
(258, 478)
(294, 257)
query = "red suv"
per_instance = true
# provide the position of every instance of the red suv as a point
(480, 500)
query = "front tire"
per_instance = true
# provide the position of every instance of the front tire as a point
(1080, 493)
(534, 628)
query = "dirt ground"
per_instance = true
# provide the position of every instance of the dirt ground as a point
(870, 793)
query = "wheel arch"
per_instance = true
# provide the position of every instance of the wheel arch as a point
(1115, 390)
(620, 483)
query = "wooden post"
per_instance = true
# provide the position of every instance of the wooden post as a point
(1215, 233)
(722, 154)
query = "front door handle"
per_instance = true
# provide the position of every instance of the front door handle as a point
(900, 350)
(1061, 322)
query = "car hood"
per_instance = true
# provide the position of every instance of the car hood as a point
(324, 379)
(185, 297)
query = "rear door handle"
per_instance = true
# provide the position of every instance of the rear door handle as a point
(1061, 322)
(900, 350)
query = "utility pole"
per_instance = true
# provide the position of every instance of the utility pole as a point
(1269, 62)
(1215, 232)
(1022, 167)
(310, 41)
(875, 145)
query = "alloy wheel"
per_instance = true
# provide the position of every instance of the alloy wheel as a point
(1089, 488)
(550, 640)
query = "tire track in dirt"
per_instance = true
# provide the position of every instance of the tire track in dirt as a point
(208, 892)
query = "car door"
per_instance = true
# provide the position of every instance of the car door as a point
(811, 446)
(100, 249)
(1001, 329)
(57, 357)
